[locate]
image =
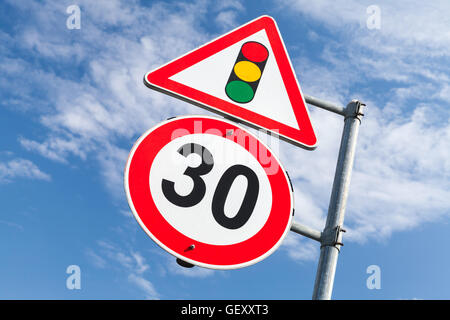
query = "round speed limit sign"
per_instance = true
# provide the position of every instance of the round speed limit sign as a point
(209, 192)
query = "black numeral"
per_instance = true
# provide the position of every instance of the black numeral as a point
(221, 193)
(199, 189)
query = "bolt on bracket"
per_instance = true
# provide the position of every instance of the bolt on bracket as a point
(355, 109)
(332, 237)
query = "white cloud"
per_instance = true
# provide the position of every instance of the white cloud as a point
(227, 13)
(112, 161)
(402, 166)
(412, 22)
(12, 225)
(400, 179)
(229, 4)
(21, 168)
(56, 148)
(141, 266)
(226, 19)
(96, 260)
(144, 285)
(300, 249)
(132, 263)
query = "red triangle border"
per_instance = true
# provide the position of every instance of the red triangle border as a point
(159, 80)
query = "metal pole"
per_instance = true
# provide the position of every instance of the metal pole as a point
(331, 239)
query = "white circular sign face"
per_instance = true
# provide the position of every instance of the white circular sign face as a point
(209, 192)
(197, 221)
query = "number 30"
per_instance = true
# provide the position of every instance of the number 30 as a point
(222, 189)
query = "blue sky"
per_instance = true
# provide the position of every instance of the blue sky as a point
(72, 103)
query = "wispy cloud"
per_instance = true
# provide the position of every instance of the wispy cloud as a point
(300, 249)
(227, 13)
(144, 285)
(426, 27)
(96, 259)
(12, 225)
(130, 263)
(21, 168)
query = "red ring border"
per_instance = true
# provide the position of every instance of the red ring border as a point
(241, 254)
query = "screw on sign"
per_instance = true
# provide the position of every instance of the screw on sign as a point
(247, 71)
(204, 190)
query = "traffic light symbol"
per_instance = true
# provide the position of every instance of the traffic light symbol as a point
(247, 71)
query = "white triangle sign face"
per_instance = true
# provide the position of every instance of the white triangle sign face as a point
(245, 74)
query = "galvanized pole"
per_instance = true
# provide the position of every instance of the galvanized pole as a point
(331, 237)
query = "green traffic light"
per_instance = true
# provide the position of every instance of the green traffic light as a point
(239, 91)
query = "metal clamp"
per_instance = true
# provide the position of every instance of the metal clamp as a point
(355, 109)
(332, 237)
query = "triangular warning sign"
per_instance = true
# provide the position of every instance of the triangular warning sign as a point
(245, 74)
